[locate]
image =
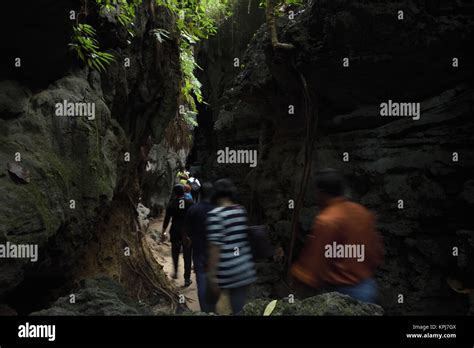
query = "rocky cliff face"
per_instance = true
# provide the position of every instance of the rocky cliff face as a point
(221, 58)
(84, 174)
(384, 159)
(70, 185)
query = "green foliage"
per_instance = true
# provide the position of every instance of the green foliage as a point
(218, 10)
(86, 47)
(189, 118)
(279, 4)
(123, 10)
(190, 86)
(283, 2)
(84, 41)
(195, 20)
(293, 2)
(160, 34)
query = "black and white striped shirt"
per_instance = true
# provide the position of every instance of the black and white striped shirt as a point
(228, 228)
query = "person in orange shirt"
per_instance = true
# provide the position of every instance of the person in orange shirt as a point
(344, 248)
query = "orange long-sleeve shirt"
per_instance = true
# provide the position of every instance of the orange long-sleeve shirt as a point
(329, 255)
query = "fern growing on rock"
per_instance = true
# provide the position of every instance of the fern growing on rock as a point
(86, 46)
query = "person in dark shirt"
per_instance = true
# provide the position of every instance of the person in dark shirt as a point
(195, 230)
(176, 212)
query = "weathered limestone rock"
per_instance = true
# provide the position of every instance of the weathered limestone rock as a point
(332, 303)
(99, 296)
(390, 159)
(77, 167)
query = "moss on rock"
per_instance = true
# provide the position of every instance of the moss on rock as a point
(332, 303)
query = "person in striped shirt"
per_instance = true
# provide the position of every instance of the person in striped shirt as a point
(230, 263)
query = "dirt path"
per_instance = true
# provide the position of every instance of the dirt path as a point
(162, 253)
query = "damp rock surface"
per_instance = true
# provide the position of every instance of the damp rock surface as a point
(404, 170)
(332, 303)
(100, 296)
(73, 190)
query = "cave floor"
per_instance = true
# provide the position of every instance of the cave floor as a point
(162, 254)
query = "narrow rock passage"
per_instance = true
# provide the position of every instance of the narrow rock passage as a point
(162, 254)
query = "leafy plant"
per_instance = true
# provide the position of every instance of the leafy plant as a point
(190, 85)
(160, 34)
(84, 41)
(195, 20)
(123, 10)
(190, 118)
(280, 3)
(86, 47)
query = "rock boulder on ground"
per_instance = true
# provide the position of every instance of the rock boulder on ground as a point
(332, 303)
(98, 296)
